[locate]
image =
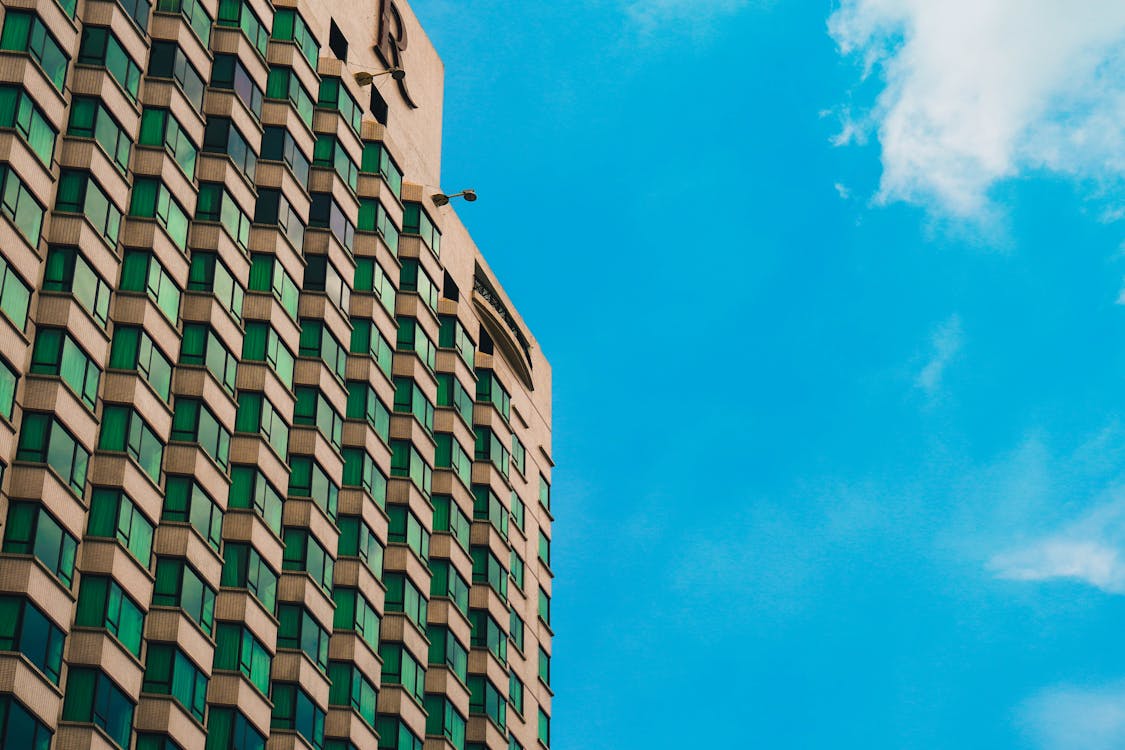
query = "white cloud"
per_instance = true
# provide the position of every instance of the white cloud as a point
(946, 341)
(1085, 560)
(978, 91)
(842, 190)
(1073, 718)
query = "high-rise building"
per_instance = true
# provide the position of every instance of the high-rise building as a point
(275, 443)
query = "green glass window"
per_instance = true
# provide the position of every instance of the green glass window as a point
(544, 728)
(258, 415)
(330, 154)
(515, 628)
(210, 275)
(450, 455)
(358, 540)
(179, 585)
(377, 160)
(268, 275)
(364, 403)
(91, 697)
(405, 528)
(298, 629)
(138, 10)
(416, 221)
(294, 710)
(373, 217)
(544, 666)
(68, 271)
(217, 204)
(490, 391)
(289, 26)
(168, 671)
(318, 341)
(351, 689)
(26, 629)
(20, 728)
(57, 353)
(448, 517)
(515, 692)
(228, 729)
(368, 341)
(134, 350)
(448, 582)
(407, 462)
(519, 455)
(452, 394)
(400, 667)
(202, 347)
(544, 548)
(307, 478)
(409, 399)
(152, 200)
(222, 136)
(102, 48)
(361, 470)
(102, 603)
(44, 440)
(411, 338)
(444, 720)
(238, 650)
(415, 279)
(395, 735)
(238, 14)
(228, 72)
(161, 129)
(278, 144)
(454, 336)
(90, 118)
(355, 613)
(194, 13)
(19, 112)
(25, 32)
(403, 596)
(25, 211)
(113, 515)
(326, 213)
(124, 430)
(167, 60)
(517, 569)
(186, 502)
(304, 553)
(314, 410)
(488, 569)
(544, 606)
(488, 507)
(8, 381)
(322, 276)
(244, 568)
(371, 278)
(446, 650)
(518, 511)
(544, 492)
(80, 193)
(490, 447)
(488, 634)
(193, 422)
(485, 698)
(262, 344)
(335, 96)
(142, 272)
(249, 489)
(283, 83)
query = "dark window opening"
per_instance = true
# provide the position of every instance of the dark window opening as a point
(378, 105)
(449, 289)
(337, 42)
(485, 343)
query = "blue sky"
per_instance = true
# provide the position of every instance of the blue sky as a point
(833, 296)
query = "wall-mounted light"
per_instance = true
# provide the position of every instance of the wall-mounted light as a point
(441, 199)
(364, 77)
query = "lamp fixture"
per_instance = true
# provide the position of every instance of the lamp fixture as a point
(365, 77)
(441, 199)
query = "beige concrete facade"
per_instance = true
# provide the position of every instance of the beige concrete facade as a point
(276, 445)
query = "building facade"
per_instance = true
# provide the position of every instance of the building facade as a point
(275, 445)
